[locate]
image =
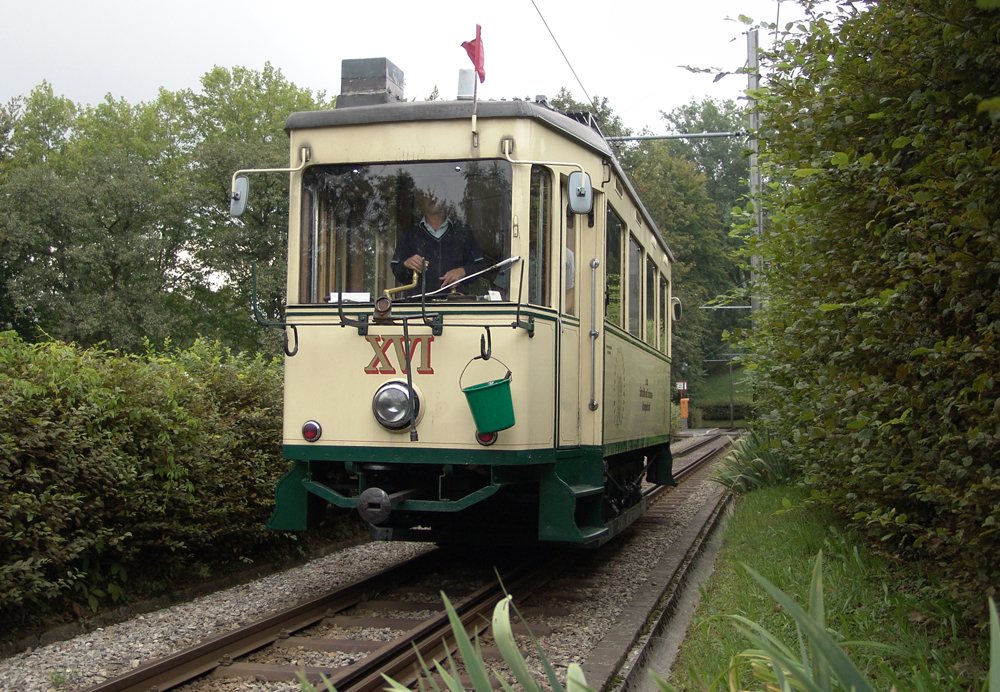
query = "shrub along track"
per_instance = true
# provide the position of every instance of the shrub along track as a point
(361, 662)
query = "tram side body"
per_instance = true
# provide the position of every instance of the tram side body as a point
(557, 474)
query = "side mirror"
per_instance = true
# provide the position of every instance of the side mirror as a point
(675, 305)
(581, 195)
(238, 198)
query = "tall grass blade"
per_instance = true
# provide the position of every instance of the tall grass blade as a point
(473, 664)
(550, 672)
(576, 681)
(994, 648)
(306, 686)
(754, 462)
(427, 671)
(817, 611)
(503, 635)
(393, 685)
(783, 670)
(822, 643)
(663, 684)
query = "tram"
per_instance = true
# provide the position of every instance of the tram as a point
(514, 390)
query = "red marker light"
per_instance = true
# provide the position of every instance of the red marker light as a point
(311, 430)
(486, 439)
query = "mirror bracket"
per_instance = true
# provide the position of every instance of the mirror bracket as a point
(239, 189)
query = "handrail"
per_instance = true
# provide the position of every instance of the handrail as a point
(506, 147)
(594, 264)
(259, 318)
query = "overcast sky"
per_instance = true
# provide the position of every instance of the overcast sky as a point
(626, 50)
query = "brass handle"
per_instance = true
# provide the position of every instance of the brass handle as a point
(400, 289)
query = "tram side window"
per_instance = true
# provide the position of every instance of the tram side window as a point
(355, 217)
(569, 297)
(540, 233)
(664, 301)
(634, 285)
(651, 329)
(613, 269)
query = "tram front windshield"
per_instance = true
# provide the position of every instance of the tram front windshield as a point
(362, 219)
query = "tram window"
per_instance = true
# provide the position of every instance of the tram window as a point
(613, 269)
(634, 285)
(651, 329)
(540, 231)
(569, 302)
(664, 301)
(353, 216)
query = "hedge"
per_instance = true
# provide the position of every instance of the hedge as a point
(119, 474)
(717, 411)
(875, 350)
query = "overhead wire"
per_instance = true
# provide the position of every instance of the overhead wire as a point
(556, 41)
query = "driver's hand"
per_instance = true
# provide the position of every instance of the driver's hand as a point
(452, 275)
(416, 263)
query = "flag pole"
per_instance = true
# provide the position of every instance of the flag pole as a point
(475, 101)
(475, 50)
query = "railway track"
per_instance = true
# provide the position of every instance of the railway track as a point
(395, 600)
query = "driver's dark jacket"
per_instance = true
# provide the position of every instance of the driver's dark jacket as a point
(456, 248)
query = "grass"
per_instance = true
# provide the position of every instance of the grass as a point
(867, 599)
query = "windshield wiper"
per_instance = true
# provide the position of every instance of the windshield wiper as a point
(498, 265)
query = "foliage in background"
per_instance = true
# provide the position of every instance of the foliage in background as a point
(725, 392)
(689, 189)
(114, 224)
(875, 353)
(725, 163)
(122, 474)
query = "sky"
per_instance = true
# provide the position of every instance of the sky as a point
(626, 50)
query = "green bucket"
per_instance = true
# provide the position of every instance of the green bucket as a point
(490, 402)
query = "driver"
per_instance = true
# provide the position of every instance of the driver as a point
(439, 244)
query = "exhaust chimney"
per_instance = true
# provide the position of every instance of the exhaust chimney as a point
(369, 82)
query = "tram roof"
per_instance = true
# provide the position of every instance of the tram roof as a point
(415, 111)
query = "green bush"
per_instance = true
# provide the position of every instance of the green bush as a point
(123, 473)
(875, 350)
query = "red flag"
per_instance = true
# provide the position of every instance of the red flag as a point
(475, 51)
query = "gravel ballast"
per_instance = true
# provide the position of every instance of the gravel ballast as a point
(109, 651)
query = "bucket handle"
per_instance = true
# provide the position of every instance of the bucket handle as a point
(505, 377)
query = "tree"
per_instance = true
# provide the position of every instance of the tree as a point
(95, 222)
(610, 122)
(114, 222)
(675, 192)
(724, 161)
(237, 121)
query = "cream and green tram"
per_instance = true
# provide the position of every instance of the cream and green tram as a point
(527, 402)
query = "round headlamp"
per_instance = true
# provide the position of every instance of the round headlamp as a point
(391, 406)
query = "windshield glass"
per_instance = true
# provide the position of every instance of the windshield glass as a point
(380, 222)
